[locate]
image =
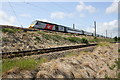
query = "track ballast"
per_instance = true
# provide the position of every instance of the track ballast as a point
(6, 55)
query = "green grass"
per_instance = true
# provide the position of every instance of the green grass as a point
(5, 39)
(74, 39)
(112, 67)
(103, 44)
(10, 30)
(77, 40)
(118, 67)
(37, 38)
(41, 32)
(23, 64)
(118, 63)
(52, 37)
(101, 40)
(118, 50)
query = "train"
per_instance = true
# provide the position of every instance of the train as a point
(37, 24)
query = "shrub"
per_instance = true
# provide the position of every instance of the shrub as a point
(52, 37)
(84, 40)
(74, 39)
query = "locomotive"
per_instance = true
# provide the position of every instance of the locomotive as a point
(37, 24)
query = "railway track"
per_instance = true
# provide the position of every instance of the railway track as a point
(6, 55)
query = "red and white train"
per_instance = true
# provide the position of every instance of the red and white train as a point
(55, 27)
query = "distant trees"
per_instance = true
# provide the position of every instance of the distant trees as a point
(117, 39)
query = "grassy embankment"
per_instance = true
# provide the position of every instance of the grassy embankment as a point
(32, 63)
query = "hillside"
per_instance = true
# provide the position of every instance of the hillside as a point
(101, 63)
(19, 40)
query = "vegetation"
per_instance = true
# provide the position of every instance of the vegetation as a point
(37, 38)
(5, 39)
(84, 40)
(112, 67)
(77, 40)
(103, 44)
(116, 39)
(101, 40)
(118, 67)
(24, 64)
(41, 32)
(10, 30)
(118, 50)
(74, 39)
(52, 37)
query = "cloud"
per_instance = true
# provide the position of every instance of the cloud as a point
(82, 15)
(113, 8)
(83, 7)
(60, 15)
(25, 15)
(5, 19)
(111, 27)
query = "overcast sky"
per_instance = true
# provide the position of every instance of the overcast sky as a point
(82, 14)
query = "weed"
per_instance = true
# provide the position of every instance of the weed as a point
(106, 76)
(74, 39)
(37, 38)
(118, 63)
(10, 30)
(41, 32)
(84, 40)
(112, 67)
(101, 40)
(24, 64)
(5, 39)
(103, 44)
(118, 50)
(52, 37)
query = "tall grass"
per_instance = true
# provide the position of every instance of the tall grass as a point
(77, 40)
(24, 64)
(10, 30)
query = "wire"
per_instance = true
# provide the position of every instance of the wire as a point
(37, 6)
(15, 13)
(58, 5)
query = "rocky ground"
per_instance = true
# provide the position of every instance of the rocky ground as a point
(97, 64)
(18, 40)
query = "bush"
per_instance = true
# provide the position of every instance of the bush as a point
(74, 39)
(84, 40)
(77, 40)
(115, 38)
(52, 37)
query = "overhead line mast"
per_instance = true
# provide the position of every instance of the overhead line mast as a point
(95, 27)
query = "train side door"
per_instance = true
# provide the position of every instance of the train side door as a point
(65, 29)
(56, 28)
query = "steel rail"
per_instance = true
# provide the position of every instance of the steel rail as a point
(41, 51)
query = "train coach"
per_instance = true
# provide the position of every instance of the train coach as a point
(37, 24)
(48, 26)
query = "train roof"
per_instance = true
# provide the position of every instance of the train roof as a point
(50, 23)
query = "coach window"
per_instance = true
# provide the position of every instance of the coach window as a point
(56, 27)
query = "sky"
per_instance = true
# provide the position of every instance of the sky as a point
(82, 14)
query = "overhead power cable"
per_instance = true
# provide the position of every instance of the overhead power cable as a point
(15, 13)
